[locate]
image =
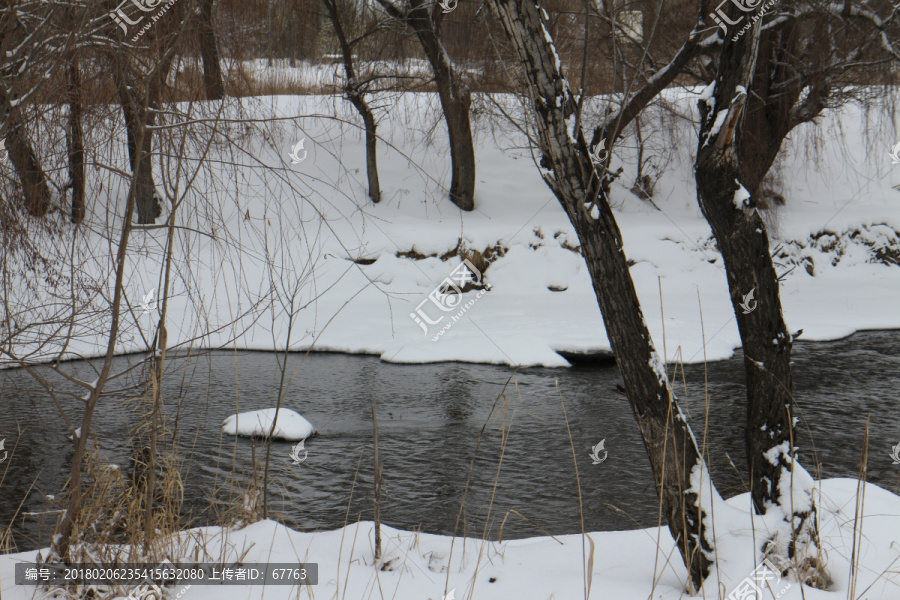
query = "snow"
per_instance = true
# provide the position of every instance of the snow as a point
(741, 196)
(841, 211)
(795, 483)
(627, 565)
(289, 425)
(717, 125)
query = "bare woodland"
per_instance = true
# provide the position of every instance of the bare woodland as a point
(76, 88)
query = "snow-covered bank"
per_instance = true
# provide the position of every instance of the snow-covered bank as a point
(626, 565)
(257, 233)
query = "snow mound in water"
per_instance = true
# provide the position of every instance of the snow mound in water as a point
(258, 423)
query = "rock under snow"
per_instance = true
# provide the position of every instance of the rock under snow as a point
(258, 423)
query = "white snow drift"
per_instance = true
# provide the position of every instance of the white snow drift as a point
(289, 425)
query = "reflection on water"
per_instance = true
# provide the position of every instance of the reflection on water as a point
(431, 418)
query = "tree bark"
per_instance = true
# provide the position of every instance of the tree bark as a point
(137, 118)
(744, 244)
(371, 151)
(35, 190)
(357, 98)
(76, 143)
(768, 119)
(680, 474)
(212, 68)
(424, 19)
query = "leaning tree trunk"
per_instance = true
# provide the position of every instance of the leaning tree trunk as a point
(680, 474)
(743, 242)
(25, 162)
(357, 98)
(212, 68)
(75, 141)
(456, 101)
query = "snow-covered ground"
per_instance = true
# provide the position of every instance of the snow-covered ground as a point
(260, 230)
(265, 238)
(620, 565)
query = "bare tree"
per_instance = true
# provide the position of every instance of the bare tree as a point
(742, 239)
(140, 82)
(355, 92)
(23, 36)
(780, 73)
(424, 18)
(35, 190)
(582, 189)
(35, 39)
(812, 58)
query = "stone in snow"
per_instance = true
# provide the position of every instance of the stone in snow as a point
(290, 425)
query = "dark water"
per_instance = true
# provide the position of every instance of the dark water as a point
(430, 418)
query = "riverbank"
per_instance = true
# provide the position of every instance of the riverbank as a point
(625, 565)
(261, 232)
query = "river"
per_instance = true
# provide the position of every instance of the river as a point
(430, 420)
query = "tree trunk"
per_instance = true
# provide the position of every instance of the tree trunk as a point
(680, 474)
(35, 190)
(371, 153)
(212, 68)
(768, 117)
(744, 244)
(76, 143)
(456, 103)
(357, 98)
(136, 120)
(424, 19)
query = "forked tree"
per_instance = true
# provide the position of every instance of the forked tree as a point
(744, 245)
(582, 188)
(783, 71)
